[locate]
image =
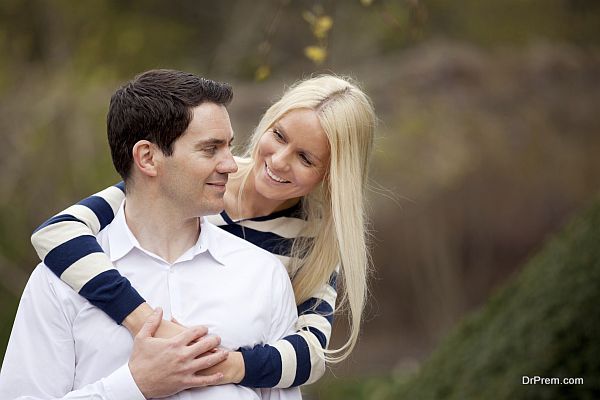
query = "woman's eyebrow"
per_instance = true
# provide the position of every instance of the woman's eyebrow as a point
(312, 155)
(281, 130)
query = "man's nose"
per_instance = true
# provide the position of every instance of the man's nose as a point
(228, 164)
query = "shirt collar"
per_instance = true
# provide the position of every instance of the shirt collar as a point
(121, 240)
(209, 240)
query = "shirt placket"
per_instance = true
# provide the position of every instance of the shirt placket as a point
(175, 292)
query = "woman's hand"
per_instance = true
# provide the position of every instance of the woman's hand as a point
(134, 322)
(232, 368)
(168, 329)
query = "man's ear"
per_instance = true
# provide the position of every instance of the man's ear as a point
(145, 154)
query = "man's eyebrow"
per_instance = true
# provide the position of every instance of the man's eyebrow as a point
(212, 142)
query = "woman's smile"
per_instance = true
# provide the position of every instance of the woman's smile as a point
(273, 176)
(294, 154)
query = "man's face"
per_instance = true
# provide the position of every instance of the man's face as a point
(193, 178)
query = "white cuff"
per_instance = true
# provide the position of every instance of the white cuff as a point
(120, 385)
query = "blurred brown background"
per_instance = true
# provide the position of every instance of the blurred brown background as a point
(488, 140)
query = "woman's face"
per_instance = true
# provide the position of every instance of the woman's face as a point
(293, 156)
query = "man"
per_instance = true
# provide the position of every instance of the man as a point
(170, 136)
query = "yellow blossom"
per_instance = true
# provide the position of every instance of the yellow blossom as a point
(321, 26)
(316, 54)
(262, 72)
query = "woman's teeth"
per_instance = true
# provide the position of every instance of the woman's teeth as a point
(274, 177)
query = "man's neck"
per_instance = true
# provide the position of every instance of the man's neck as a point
(160, 228)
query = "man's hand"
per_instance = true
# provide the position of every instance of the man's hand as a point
(163, 367)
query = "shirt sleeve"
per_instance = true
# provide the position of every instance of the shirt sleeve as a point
(66, 243)
(297, 358)
(40, 358)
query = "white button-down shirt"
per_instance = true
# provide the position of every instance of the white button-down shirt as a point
(62, 347)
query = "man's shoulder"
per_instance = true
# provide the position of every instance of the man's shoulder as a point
(43, 280)
(41, 274)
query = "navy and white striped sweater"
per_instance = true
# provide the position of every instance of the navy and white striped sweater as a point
(67, 245)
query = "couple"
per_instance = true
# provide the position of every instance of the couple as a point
(298, 194)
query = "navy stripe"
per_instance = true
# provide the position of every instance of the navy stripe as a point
(302, 358)
(121, 185)
(56, 219)
(333, 280)
(263, 366)
(113, 294)
(101, 208)
(320, 335)
(269, 241)
(63, 256)
(226, 218)
(316, 306)
(294, 211)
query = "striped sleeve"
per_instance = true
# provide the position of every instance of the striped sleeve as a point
(297, 359)
(66, 243)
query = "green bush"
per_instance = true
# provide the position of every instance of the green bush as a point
(543, 323)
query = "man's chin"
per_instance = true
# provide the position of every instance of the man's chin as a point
(213, 209)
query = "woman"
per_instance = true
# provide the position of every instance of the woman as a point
(298, 193)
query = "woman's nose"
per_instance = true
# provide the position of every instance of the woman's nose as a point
(279, 159)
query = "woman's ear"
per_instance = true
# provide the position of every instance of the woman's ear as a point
(145, 156)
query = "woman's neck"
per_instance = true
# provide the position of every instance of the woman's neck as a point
(253, 204)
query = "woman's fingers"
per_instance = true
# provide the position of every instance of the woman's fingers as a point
(209, 360)
(191, 335)
(204, 345)
(208, 380)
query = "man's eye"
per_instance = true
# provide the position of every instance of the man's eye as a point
(210, 150)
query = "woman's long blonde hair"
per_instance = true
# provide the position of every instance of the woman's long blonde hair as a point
(336, 232)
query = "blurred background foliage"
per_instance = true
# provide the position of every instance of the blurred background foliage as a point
(487, 143)
(538, 324)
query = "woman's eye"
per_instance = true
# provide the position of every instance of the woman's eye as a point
(278, 135)
(305, 160)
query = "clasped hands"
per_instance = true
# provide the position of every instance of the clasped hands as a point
(167, 357)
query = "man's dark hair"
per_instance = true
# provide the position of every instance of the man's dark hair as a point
(157, 106)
